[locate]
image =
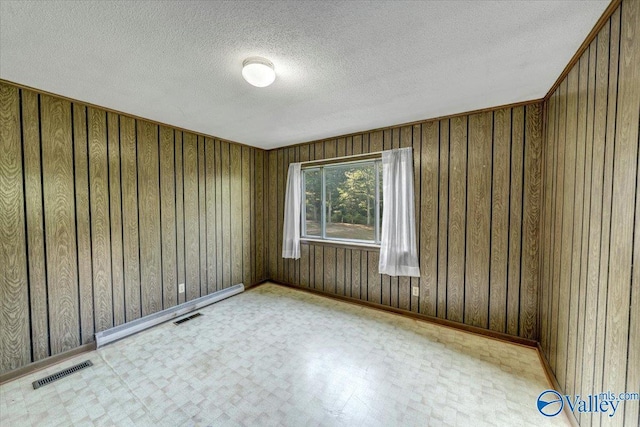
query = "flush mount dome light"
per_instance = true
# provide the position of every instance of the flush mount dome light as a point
(258, 71)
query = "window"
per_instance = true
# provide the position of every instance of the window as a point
(343, 202)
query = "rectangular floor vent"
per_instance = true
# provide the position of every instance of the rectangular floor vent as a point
(58, 375)
(186, 319)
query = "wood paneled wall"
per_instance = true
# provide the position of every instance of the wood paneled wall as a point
(590, 294)
(103, 215)
(478, 189)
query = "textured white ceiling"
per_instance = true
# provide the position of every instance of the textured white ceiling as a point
(342, 66)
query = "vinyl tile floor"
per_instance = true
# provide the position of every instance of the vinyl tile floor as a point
(276, 356)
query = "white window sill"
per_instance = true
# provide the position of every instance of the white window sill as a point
(342, 243)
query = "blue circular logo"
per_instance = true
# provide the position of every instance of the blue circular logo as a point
(550, 403)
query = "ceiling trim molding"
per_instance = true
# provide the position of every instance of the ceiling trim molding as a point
(122, 113)
(416, 122)
(585, 45)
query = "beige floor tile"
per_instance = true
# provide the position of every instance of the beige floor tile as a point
(275, 356)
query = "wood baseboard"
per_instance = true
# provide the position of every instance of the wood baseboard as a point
(423, 317)
(45, 363)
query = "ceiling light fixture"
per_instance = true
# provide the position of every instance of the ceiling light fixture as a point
(258, 71)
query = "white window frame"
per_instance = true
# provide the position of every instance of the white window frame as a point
(377, 164)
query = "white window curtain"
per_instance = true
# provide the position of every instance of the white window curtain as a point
(292, 205)
(398, 248)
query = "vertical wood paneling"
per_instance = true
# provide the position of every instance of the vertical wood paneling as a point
(428, 213)
(115, 210)
(515, 219)
(457, 218)
(417, 302)
(235, 175)
(280, 176)
(588, 315)
(219, 214)
(273, 214)
(627, 117)
(14, 328)
(373, 277)
(607, 190)
(149, 217)
(443, 219)
(591, 335)
(355, 274)
(83, 224)
(469, 274)
(180, 240)
(59, 215)
(260, 228)
(191, 213)
(579, 245)
(35, 225)
(329, 270)
(202, 217)
(97, 209)
(131, 243)
(500, 220)
(225, 150)
(531, 223)
(210, 202)
(478, 244)
(549, 110)
(168, 217)
(340, 276)
(251, 189)
(573, 135)
(567, 223)
(100, 221)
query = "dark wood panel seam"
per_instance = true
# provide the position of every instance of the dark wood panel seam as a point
(93, 290)
(437, 283)
(493, 146)
(75, 216)
(108, 185)
(175, 207)
(506, 303)
(124, 270)
(44, 224)
(613, 168)
(161, 272)
(466, 215)
(522, 217)
(446, 296)
(140, 284)
(631, 282)
(26, 228)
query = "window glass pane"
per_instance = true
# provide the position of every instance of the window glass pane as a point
(350, 201)
(313, 201)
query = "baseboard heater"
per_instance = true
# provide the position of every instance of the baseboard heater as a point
(130, 328)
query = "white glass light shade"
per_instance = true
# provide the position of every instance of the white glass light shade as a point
(258, 71)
